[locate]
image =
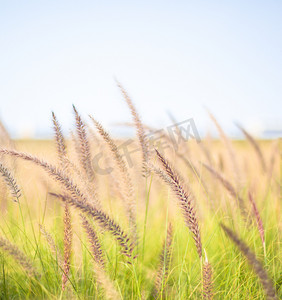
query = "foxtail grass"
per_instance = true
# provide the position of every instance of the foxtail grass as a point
(229, 147)
(164, 264)
(18, 256)
(95, 245)
(255, 145)
(230, 188)
(101, 275)
(185, 200)
(78, 199)
(258, 219)
(124, 177)
(10, 182)
(255, 264)
(83, 149)
(5, 138)
(60, 142)
(57, 174)
(274, 152)
(64, 162)
(140, 130)
(207, 280)
(104, 221)
(52, 245)
(195, 171)
(67, 245)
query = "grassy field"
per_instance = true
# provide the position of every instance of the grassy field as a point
(204, 222)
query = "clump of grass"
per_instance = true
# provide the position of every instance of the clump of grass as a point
(115, 276)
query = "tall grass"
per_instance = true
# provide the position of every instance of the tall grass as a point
(73, 239)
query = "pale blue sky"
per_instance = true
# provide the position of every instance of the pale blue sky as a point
(178, 56)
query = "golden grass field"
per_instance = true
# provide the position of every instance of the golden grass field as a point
(204, 223)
